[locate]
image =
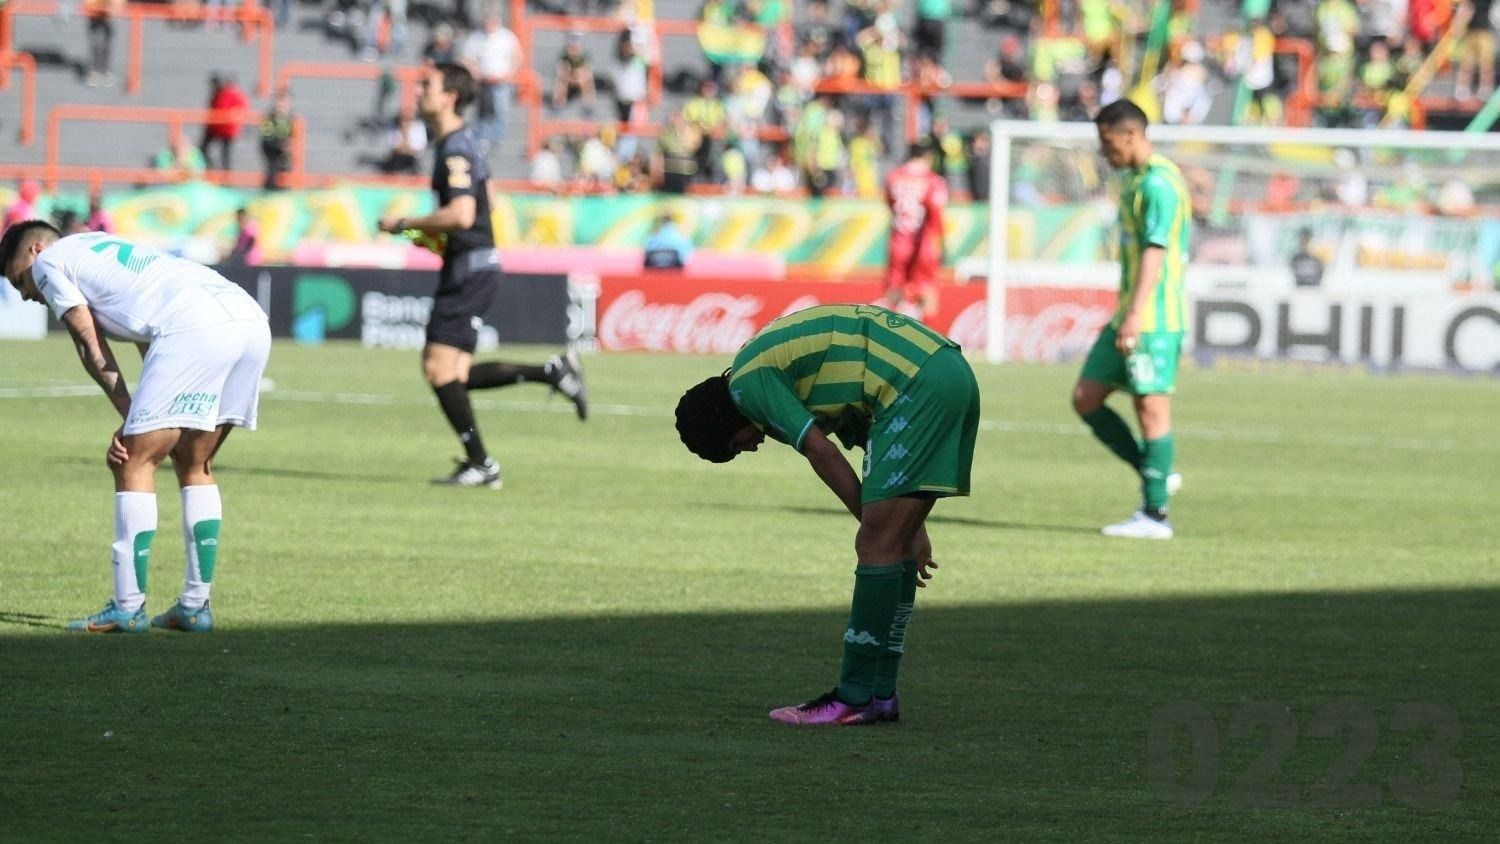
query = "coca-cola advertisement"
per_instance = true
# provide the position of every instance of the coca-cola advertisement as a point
(1052, 324)
(702, 316)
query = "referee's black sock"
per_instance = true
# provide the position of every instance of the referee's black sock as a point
(485, 376)
(454, 399)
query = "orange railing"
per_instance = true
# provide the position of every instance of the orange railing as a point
(54, 171)
(6, 47)
(27, 65)
(255, 22)
(1300, 102)
(407, 76)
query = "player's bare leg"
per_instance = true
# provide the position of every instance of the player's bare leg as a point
(143, 455)
(443, 364)
(1089, 395)
(886, 529)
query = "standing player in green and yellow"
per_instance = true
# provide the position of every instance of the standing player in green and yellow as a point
(1138, 351)
(901, 391)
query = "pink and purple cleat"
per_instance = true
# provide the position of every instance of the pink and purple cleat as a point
(830, 710)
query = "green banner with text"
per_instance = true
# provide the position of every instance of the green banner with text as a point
(834, 235)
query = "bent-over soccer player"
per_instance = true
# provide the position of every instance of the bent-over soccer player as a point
(870, 378)
(204, 344)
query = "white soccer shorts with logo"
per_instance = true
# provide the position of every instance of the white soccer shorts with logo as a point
(202, 378)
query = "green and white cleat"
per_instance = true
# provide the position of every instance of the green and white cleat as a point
(186, 620)
(111, 619)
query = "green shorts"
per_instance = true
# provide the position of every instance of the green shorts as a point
(1151, 369)
(924, 442)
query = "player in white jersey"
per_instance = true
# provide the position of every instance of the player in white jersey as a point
(204, 344)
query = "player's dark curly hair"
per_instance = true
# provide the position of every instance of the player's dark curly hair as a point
(707, 419)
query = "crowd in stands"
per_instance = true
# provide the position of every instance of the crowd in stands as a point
(783, 123)
(765, 112)
(813, 97)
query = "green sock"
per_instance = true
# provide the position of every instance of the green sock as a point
(1156, 465)
(877, 591)
(1115, 434)
(895, 642)
(143, 557)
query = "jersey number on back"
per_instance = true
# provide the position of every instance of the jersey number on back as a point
(125, 254)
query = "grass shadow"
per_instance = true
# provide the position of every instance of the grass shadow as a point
(1020, 721)
(24, 619)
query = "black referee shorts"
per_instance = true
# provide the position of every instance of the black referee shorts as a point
(466, 288)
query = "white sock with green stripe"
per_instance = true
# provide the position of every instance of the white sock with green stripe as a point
(201, 513)
(135, 527)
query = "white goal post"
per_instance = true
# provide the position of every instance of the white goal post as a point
(1399, 219)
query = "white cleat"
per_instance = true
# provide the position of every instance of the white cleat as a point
(468, 474)
(1139, 526)
(1174, 483)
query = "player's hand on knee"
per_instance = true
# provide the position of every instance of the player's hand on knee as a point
(924, 571)
(117, 453)
(920, 549)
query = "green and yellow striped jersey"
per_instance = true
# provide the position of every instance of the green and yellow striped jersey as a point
(836, 366)
(1155, 210)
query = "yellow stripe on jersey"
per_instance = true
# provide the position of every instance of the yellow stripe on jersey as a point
(1160, 182)
(845, 372)
(829, 360)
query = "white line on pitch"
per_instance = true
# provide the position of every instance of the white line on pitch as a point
(1002, 426)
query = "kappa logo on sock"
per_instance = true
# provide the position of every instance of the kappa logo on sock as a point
(863, 637)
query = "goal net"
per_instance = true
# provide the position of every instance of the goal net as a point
(1379, 248)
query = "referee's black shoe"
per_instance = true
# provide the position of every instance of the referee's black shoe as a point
(567, 378)
(486, 474)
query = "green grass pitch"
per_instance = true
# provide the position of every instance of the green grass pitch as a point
(590, 652)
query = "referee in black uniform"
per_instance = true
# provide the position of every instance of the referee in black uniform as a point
(469, 278)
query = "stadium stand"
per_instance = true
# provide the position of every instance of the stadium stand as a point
(349, 69)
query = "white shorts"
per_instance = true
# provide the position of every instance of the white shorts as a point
(202, 379)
